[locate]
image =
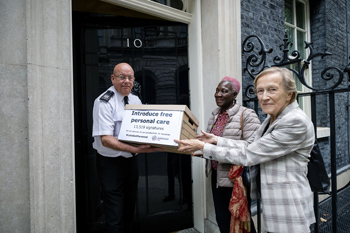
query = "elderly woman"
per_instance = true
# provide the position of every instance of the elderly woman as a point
(225, 122)
(281, 147)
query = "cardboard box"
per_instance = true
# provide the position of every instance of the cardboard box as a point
(158, 125)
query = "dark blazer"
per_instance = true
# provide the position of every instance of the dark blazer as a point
(282, 152)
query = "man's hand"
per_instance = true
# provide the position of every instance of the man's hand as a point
(147, 149)
(208, 138)
(113, 143)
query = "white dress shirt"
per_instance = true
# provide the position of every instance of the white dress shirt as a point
(107, 120)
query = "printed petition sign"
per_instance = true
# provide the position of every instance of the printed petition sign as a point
(158, 124)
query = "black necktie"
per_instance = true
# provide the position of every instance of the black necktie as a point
(126, 100)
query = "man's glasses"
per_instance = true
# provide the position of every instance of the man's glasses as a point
(124, 78)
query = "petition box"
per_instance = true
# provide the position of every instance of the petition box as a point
(158, 125)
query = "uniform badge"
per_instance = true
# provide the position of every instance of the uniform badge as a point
(107, 96)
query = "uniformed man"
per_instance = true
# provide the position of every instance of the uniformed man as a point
(116, 164)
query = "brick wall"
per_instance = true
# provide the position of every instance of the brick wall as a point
(329, 30)
(264, 19)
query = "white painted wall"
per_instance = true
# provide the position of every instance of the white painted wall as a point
(14, 161)
(197, 105)
(36, 93)
(50, 116)
(221, 54)
(37, 191)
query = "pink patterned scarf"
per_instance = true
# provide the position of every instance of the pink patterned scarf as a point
(240, 217)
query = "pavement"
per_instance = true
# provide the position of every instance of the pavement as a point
(325, 210)
(343, 212)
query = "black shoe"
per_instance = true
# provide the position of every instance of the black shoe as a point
(169, 198)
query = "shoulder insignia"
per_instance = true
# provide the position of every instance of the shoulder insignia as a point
(106, 96)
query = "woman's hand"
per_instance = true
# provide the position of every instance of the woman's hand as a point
(208, 138)
(190, 145)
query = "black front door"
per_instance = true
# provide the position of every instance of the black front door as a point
(157, 50)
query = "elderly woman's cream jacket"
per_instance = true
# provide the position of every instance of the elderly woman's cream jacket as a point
(283, 153)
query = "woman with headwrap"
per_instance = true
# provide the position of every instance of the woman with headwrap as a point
(225, 121)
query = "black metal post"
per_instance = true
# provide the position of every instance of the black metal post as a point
(258, 204)
(333, 161)
(313, 118)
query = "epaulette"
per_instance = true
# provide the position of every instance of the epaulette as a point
(107, 96)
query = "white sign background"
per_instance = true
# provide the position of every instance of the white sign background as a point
(151, 126)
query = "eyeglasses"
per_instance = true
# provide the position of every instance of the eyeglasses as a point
(123, 78)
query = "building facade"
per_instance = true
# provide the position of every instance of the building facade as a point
(44, 67)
